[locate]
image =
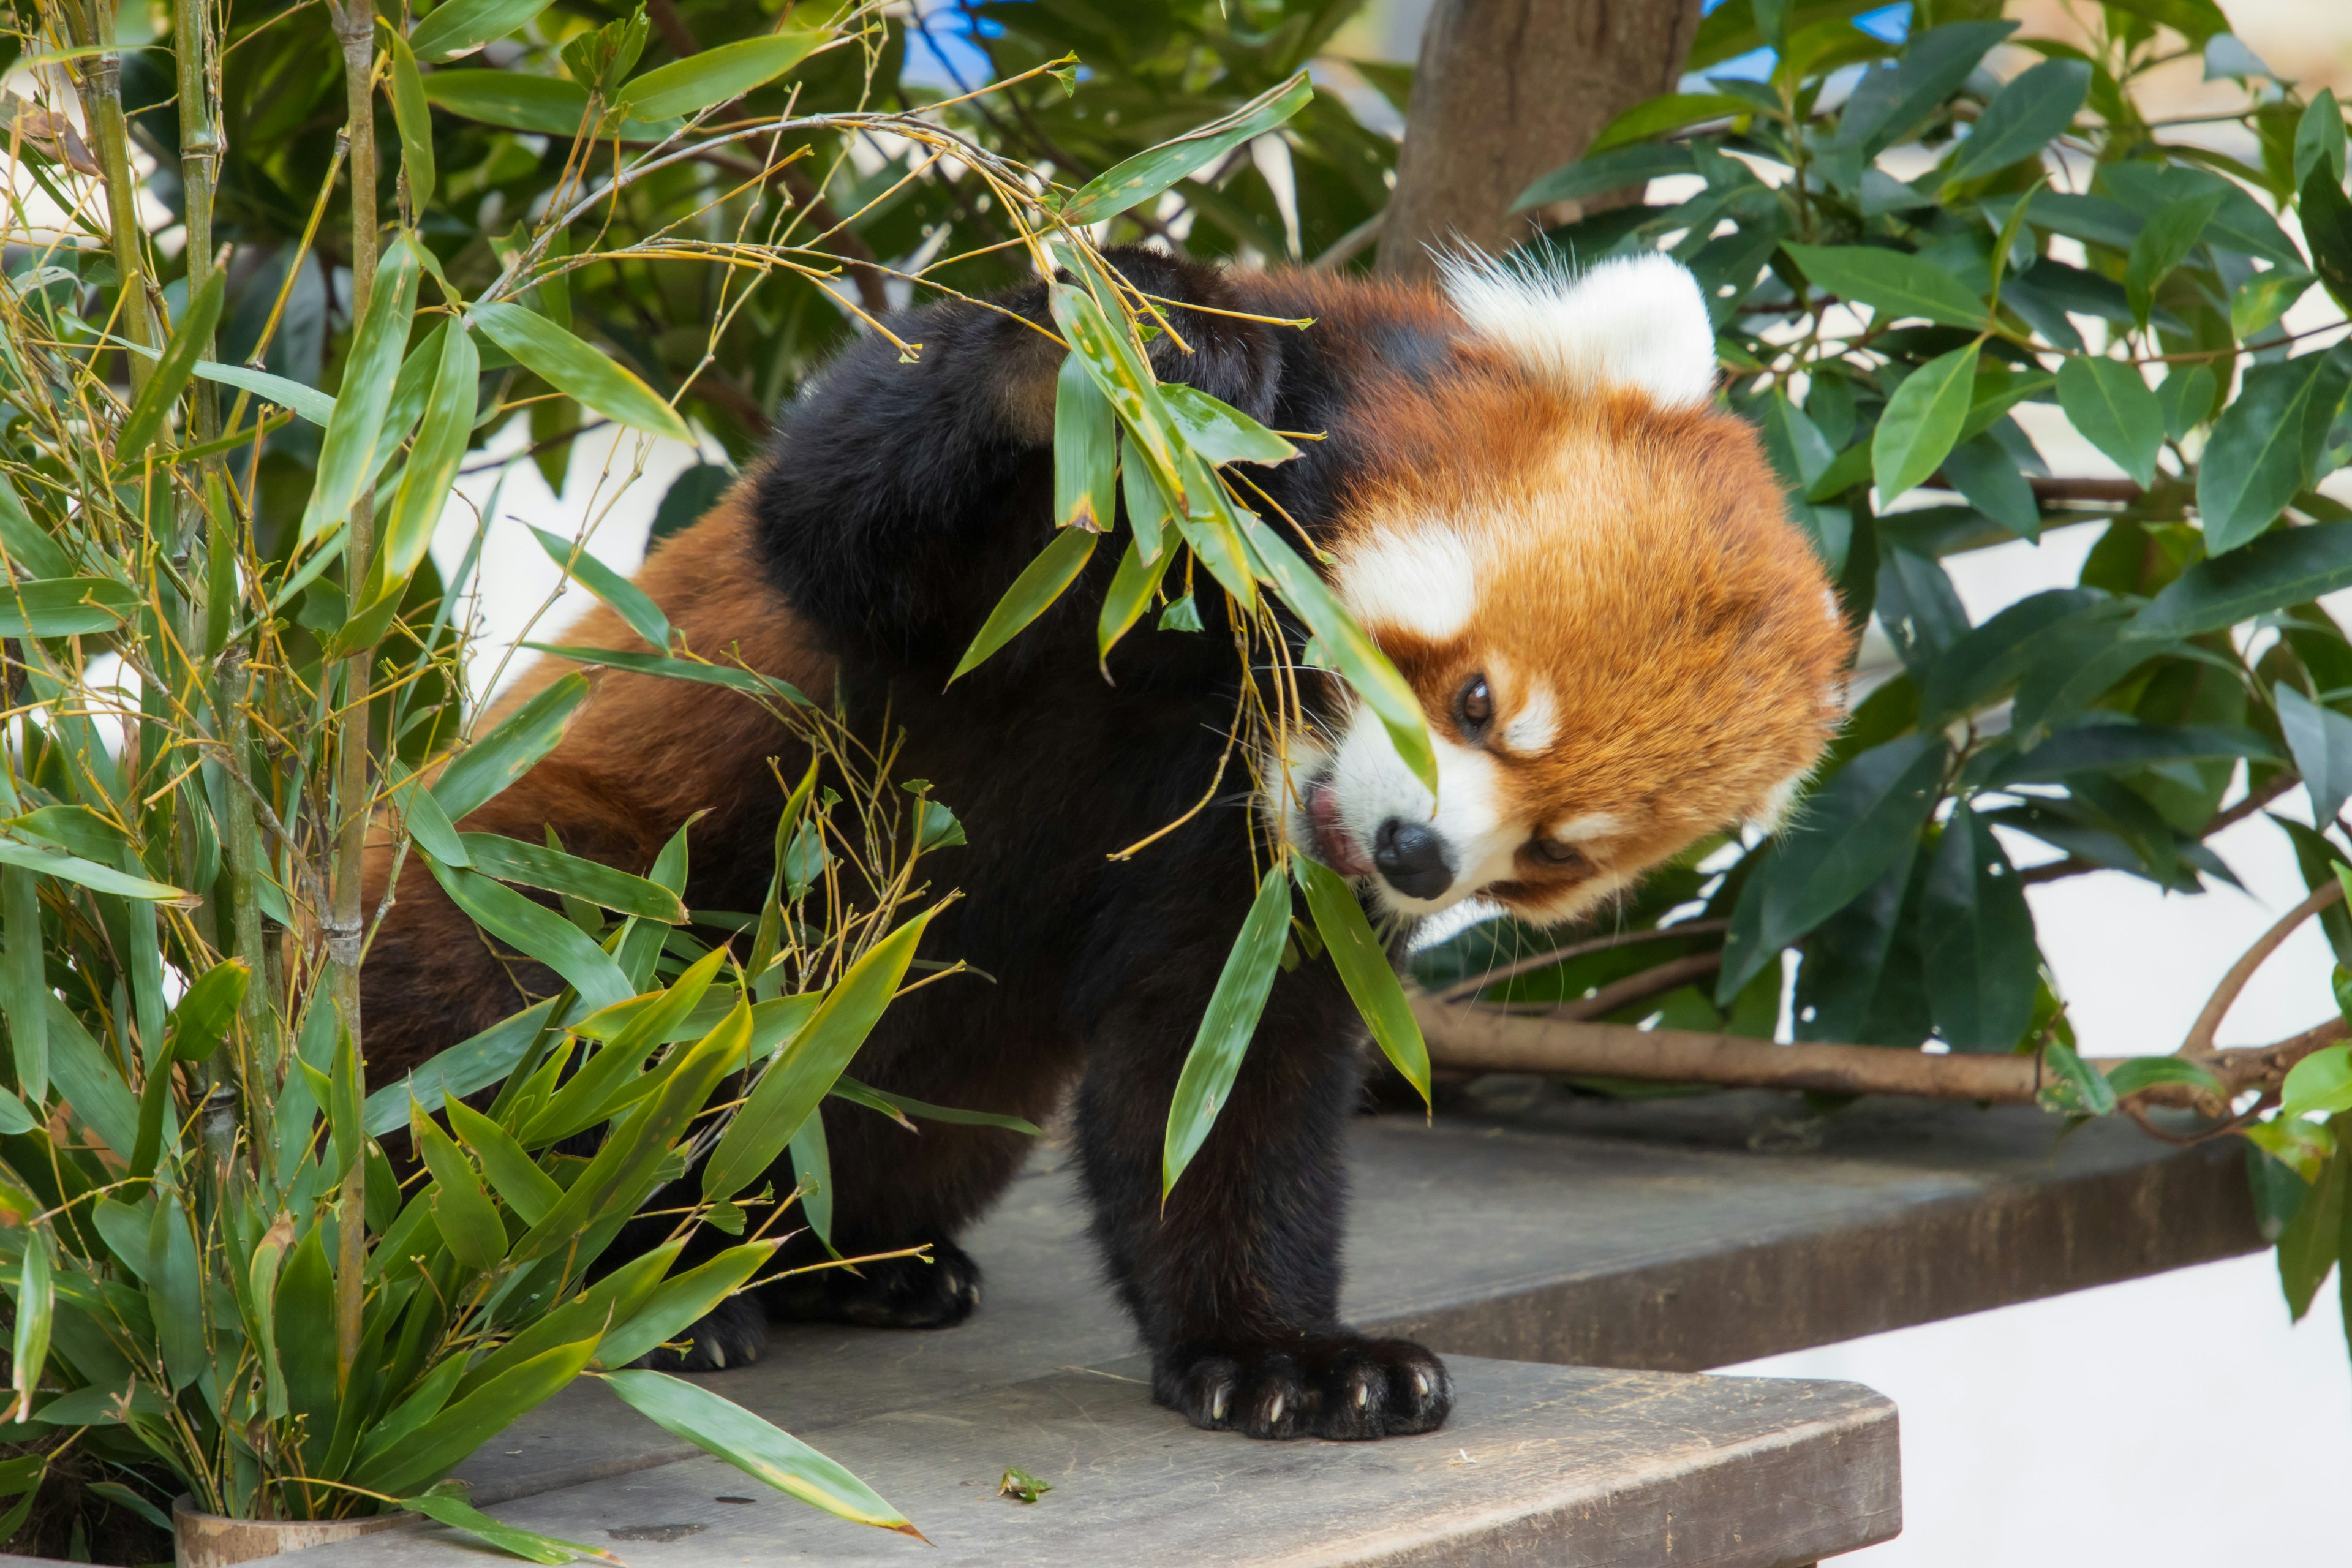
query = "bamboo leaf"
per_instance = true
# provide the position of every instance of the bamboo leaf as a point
(463, 1212)
(1220, 433)
(794, 1085)
(64, 606)
(190, 339)
(720, 75)
(413, 116)
(88, 874)
(670, 667)
(630, 602)
(424, 484)
(1086, 450)
(307, 401)
(35, 1309)
(462, 27)
(1129, 595)
(1041, 583)
(677, 1305)
(594, 1091)
(24, 993)
(1226, 1026)
(261, 1284)
(448, 1507)
(577, 370)
(1119, 370)
(175, 1293)
(1363, 965)
(1145, 175)
(761, 1450)
(207, 1010)
(898, 1106)
(346, 457)
(536, 866)
(428, 1453)
(496, 760)
(528, 1190)
(535, 930)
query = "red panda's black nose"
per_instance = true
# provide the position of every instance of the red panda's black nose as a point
(1412, 858)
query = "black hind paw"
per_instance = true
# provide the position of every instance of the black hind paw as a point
(733, 1333)
(1337, 1386)
(937, 1292)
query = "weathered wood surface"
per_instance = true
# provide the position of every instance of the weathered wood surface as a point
(1586, 1233)
(1553, 1465)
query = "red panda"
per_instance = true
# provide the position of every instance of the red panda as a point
(1582, 567)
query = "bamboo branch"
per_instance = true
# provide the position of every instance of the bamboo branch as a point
(1479, 1039)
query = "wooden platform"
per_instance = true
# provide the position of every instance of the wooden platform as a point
(1673, 1235)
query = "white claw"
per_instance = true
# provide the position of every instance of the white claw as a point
(1363, 1394)
(1421, 1384)
(1217, 1404)
(717, 1357)
(1274, 1411)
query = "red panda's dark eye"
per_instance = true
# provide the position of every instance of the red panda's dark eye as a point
(1560, 854)
(1475, 708)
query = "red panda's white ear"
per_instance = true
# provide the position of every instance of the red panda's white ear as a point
(1636, 321)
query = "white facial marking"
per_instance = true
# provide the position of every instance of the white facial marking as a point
(1636, 321)
(1534, 726)
(1371, 783)
(1585, 828)
(1420, 580)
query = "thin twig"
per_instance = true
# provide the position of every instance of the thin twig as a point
(2208, 1022)
(1493, 977)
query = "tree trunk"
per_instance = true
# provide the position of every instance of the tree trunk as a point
(1510, 89)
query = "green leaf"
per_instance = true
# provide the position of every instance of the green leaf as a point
(2110, 404)
(1129, 595)
(671, 667)
(849, 1089)
(1606, 172)
(36, 1308)
(1654, 117)
(537, 931)
(528, 1190)
(2074, 1086)
(2165, 241)
(1891, 100)
(1922, 423)
(433, 460)
(1145, 175)
(1220, 433)
(2148, 1072)
(2265, 444)
(427, 1453)
(2321, 1082)
(2024, 117)
(98, 879)
(1086, 451)
(496, 760)
(538, 105)
(346, 457)
(1895, 284)
(2321, 740)
(677, 1304)
(462, 27)
(1982, 469)
(2289, 566)
(1226, 1026)
(2308, 1247)
(1865, 819)
(446, 1508)
(573, 367)
(718, 75)
(2263, 298)
(307, 401)
(801, 1077)
(2319, 139)
(2327, 230)
(1349, 649)
(537, 866)
(1363, 965)
(462, 1211)
(175, 1293)
(1976, 939)
(1042, 582)
(630, 602)
(206, 1009)
(25, 544)
(1127, 381)
(414, 118)
(64, 606)
(191, 337)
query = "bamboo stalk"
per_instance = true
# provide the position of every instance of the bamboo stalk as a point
(100, 85)
(354, 25)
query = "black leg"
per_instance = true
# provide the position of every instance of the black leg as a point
(1236, 1282)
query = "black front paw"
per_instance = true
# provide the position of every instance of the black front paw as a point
(732, 1334)
(934, 1292)
(1339, 1386)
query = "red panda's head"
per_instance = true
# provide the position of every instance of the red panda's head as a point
(1586, 571)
